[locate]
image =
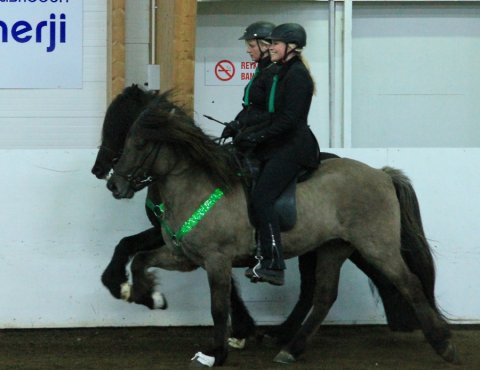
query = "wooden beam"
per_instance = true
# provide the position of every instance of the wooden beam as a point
(175, 47)
(116, 48)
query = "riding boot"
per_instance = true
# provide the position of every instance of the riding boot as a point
(270, 264)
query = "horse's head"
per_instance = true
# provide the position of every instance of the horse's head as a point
(135, 168)
(162, 141)
(147, 153)
(121, 114)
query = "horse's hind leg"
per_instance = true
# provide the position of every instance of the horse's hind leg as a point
(330, 259)
(243, 325)
(283, 333)
(434, 327)
(115, 275)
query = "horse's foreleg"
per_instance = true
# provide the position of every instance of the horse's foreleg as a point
(142, 290)
(329, 262)
(115, 275)
(219, 271)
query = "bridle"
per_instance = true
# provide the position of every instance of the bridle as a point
(115, 154)
(140, 176)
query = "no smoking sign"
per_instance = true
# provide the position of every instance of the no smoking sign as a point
(224, 70)
(228, 71)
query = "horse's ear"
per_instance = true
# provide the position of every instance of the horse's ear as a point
(134, 92)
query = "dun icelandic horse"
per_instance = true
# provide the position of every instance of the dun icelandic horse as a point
(120, 115)
(345, 207)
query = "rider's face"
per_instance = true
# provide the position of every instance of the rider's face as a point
(277, 50)
(254, 49)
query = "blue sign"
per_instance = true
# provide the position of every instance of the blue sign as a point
(41, 43)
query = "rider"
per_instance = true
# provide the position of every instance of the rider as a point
(255, 94)
(283, 143)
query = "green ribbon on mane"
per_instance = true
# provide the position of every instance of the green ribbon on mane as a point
(195, 218)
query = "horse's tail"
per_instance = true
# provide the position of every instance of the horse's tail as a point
(415, 249)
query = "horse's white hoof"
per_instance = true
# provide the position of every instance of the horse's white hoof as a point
(159, 301)
(284, 357)
(125, 291)
(201, 360)
(236, 343)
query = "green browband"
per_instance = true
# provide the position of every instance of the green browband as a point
(195, 218)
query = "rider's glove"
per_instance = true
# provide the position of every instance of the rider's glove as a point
(231, 129)
(247, 140)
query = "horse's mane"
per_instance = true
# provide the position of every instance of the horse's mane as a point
(123, 110)
(166, 122)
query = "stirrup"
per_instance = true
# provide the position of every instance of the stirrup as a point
(251, 271)
(260, 274)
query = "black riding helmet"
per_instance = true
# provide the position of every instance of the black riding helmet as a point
(257, 31)
(289, 33)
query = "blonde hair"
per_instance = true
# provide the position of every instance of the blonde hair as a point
(298, 52)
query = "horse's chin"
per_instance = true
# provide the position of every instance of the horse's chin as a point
(120, 189)
(127, 194)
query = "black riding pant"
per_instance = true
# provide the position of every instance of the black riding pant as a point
(275, 175)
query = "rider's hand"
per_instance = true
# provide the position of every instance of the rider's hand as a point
(231, 129)
(247, 140)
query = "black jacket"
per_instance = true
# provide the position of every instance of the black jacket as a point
(286, 130)
(255, 110)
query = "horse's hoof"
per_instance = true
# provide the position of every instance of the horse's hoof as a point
(202, 360)
(125, 291)
(284, 357)
(236, 343)
(450, 354)
(159, 301)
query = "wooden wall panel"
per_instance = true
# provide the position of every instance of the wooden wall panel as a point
(175, 47)
(116, 48)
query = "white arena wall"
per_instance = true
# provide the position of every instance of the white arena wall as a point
(416, 110)
(60, 224)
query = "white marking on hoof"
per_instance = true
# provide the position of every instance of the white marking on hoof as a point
(125, 291)
(284, 357)
(204, 359)
(159, 301)
(236, 343)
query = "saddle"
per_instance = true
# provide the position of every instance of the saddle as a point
(286, 204)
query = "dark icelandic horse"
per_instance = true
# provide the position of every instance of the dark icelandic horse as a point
(121, 114)
(347, 206)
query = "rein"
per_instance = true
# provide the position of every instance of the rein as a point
(195, 218)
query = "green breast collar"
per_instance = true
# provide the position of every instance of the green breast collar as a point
(195, 218)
